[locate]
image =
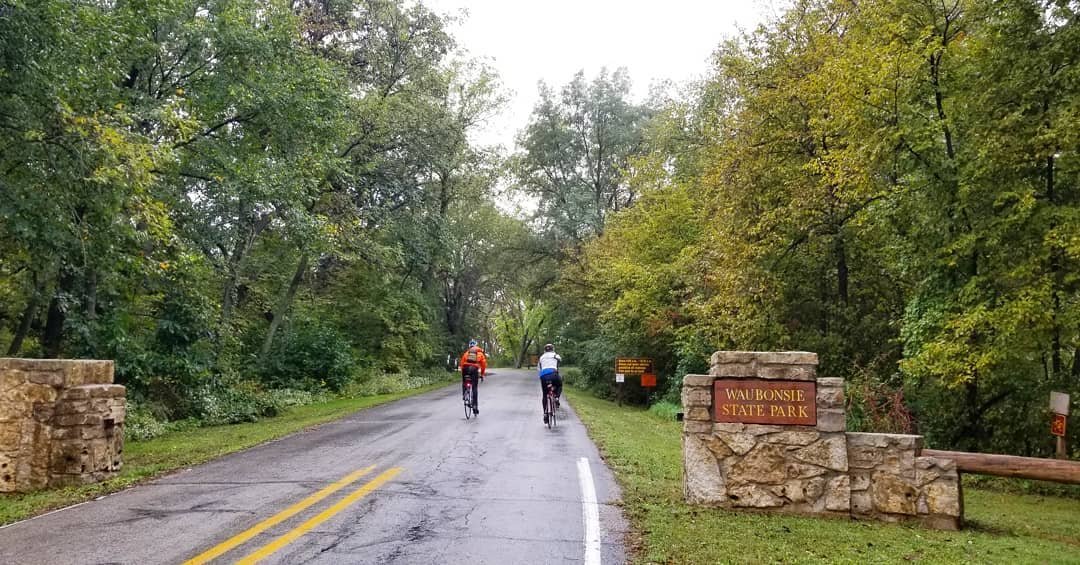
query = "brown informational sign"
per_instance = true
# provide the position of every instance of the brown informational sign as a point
(648, 380)
(761, 401)
(1057, 425)
(633, 365)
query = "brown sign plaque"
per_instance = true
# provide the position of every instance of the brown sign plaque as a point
(765, 401)
(1057, 425)
(633, 365)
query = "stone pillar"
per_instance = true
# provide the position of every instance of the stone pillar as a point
(61, 422)
(763, 431)
(88, 437)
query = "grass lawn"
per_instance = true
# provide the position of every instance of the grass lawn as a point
(144, 460)
(646, 456)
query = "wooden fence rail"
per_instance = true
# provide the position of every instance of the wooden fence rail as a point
(1056, 470)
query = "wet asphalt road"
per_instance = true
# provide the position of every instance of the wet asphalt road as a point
(498, 489)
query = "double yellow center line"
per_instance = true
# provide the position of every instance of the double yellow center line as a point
(268, 549)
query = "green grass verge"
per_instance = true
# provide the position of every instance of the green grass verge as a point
(144, 460)
(644, 451)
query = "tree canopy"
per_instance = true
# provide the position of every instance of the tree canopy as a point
(222, 195)
(892, 184)
(235, 197)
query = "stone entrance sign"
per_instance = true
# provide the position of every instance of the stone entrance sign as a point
(762, 431)
(61, 423)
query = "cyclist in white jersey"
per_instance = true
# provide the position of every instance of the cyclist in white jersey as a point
(548, 367)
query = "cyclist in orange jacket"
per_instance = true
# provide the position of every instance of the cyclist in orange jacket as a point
(473, 365)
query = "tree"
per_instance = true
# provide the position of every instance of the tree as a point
(574, 152)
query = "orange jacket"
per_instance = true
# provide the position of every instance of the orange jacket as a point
(481, 360)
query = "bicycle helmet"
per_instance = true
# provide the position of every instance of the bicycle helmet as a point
(549, 347)
(472, 343)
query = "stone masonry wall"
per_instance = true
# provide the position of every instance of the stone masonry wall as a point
(815, 469)
(891, 482)
(61, 422)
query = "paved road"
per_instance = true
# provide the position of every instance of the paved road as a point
(408, 482)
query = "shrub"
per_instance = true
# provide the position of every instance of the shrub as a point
(572, 376)
(371, 383)
(282, 398)
(313, 356)
(665, 410)
(597, 367)
(232, 403)
(877, 407)
(1021, 486)
(140, 423)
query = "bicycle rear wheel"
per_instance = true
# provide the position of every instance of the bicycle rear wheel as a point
(468, 404)
(554, 419)
(549, 410)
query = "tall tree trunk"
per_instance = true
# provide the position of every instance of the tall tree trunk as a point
(526, 341)
(1055, 340)
(231, 280)
(235, 260)
(841, 270)
(284, 304)
(91, 295)
(1056, 261)
(939, 100)
(28, 316)
(969, 432)
(53, 338)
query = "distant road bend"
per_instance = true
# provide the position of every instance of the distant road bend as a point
(407, 482)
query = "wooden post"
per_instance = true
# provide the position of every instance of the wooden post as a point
(1011, 466)
(1059, 412)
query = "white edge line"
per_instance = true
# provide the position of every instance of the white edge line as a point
(590, 513)
(51, 512)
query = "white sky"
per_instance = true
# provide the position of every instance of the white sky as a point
(550, 40)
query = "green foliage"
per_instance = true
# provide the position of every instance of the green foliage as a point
(576, 146)
(140, 423)
(872, 405)
(312, 355)
(256, 190)
(665, 410)
(891, 184)
(520, 324)
(596, 360)
(1021, 486)
(573, 376)
(376, 382)
(232, 198)
(231, 403)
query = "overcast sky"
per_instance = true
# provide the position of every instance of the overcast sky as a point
(550, 40)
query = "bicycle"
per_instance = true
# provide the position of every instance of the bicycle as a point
(467, 397)
(550, 405)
